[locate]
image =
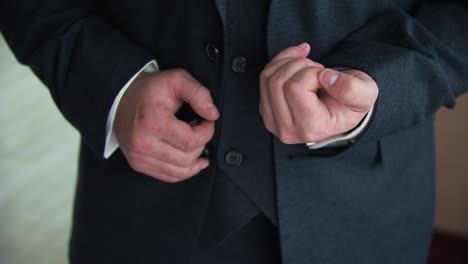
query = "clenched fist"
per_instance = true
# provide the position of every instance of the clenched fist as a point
(302, 101)
(152, 139)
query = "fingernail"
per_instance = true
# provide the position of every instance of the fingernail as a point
(205, 165)
(213, 110)
(303, 45)
(329, 77)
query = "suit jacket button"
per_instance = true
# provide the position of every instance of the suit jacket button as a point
(233, 158)
(239, 64)
(205, 154)
(212, 52)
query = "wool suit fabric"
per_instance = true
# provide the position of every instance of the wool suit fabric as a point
(371, 202)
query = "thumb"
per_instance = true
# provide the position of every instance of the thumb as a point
(359, 94)
(199, 98)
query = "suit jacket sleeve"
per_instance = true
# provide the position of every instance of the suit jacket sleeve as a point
(78, 55)
(419, 61)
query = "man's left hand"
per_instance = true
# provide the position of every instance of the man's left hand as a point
(301, 101)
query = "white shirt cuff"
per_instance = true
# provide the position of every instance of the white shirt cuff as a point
(343, 139)
(111, 144)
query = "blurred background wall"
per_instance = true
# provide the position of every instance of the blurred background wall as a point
(38, 162)
(452, 169)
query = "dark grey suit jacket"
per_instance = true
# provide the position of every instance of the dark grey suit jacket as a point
(371, 202)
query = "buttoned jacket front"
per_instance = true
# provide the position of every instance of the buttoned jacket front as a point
(371, 202)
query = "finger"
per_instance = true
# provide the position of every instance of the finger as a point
(145, 143)
(301, 50)
(280, 107)
(266, 109)
(198, 97)
(181, 173)
(203, 133)
(355, 90)
(160, 169)
(174, 131)
(274, 67)
(271, 68)
(142, 164)
(184, 136)
(308, 110)
(342, 118)
(168, 153)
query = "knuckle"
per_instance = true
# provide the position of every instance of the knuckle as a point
(347, 89)
(189, 145)
(308, 136)
(319, 131)
(267, 121)
(287, 137)
(141, 113)
(185, 173)
(303, 61)
(179, 72)
(292, 87)
(186, 161)
(136, 165)
(138, 144)
(261, 111)
(286, 140)
(286, 53)
(169, 179)
(269, 127)
(201, 92)
(274, 83)
(195, 157)
(265, 75)
(156, 127)
(145, 120)
(171, 171)
(164, 155)
(277, 80)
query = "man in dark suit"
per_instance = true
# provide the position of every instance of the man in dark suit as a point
(237, 143)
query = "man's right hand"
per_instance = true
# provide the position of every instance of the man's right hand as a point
(154, 141)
